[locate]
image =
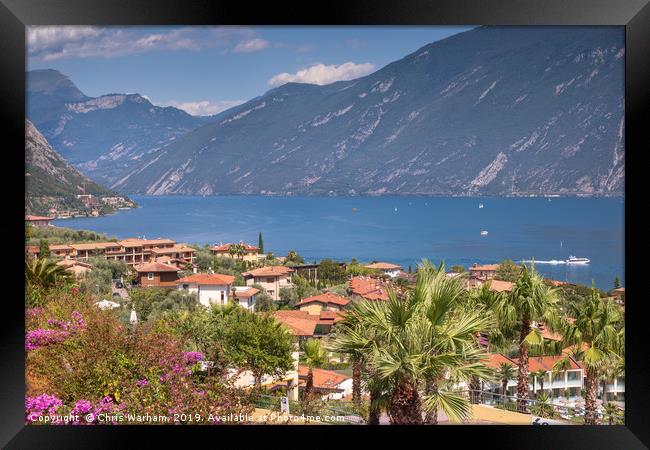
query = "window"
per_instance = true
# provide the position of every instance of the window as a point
(270, 280)
(573, 375)
(222, 296)
(150, 276)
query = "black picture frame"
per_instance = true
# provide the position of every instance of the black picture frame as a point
(634, 15)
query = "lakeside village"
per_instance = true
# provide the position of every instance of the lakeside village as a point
(82, 205)
(151, 327)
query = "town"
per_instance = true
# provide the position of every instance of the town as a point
(337, 338)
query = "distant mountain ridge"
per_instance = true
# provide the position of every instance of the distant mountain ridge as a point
(100, 135)
(492, 111)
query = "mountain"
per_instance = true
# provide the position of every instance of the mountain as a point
(492, 111)
(101, 135)
(50, 181)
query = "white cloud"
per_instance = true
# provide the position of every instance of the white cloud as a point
(60, 42)
(323, 74)
(252, 45)
(202, 107)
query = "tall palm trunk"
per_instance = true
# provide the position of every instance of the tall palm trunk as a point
(474, 386)
(522, 379)
(431, 417)
(309, 385)
(356, 382)
(404, 405)
(504, 388)
(604, 385)
(591, 385)
(373, 411)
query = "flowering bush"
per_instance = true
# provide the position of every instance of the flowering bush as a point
(82, 360)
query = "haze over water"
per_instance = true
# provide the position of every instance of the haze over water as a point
(402, 230)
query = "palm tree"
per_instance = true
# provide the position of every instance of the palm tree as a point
(598, 329)
(314, 356)
(41, 275)
(611, 413)
(427, 339)
(612, 369)
(531, 300)
(540, 375)
(505, 373)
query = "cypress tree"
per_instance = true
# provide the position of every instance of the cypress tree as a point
(260, 244)
(44, 249)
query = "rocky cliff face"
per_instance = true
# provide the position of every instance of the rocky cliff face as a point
(493, 111)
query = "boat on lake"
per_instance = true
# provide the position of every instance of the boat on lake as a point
(484, 233)
(575, 260)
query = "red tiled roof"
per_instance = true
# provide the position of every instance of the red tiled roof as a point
(324, 379)
(207, 278)
(368, 288)
(67, 263)
(155, 267)
(548, 334)
(325, 298)
(383, 266)
(268, 271)
(32, 249)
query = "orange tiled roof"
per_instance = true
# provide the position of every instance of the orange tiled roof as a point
(176, 248)
(555, 282)
(327, 379)
(368, 288)
(245, 293)
(301, 323)
(383, 266)
(71, 263)
(155, 267)
(207, 278)
(494, 360)
(268, 271)
(548, 334)
(60, 247)
(137, 241)
(325, 298)
(501, 286)
(536, 363)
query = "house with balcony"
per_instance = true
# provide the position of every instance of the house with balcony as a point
(38, 221)
(78, 268)
(271, 278)
(154, 274)
(250, 254)
(483, 271)
(211, 288)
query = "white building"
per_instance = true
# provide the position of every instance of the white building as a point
(245, 296)
(211, 289)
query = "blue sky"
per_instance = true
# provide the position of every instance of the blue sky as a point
(207, 69)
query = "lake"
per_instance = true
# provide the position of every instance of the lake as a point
(402, 230)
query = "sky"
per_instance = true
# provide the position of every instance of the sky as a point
(205, 70)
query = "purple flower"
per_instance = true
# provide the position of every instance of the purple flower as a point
(81, 407)
(43, 404)
(141, 383)
(41, 337)
(192, 357)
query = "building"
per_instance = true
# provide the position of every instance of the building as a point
(323, 302)
(223, 250)
(213, 288)
(38, 221)
(245, 296)
(304, 325)
(369, 288)
(484, 271)
(78, 268)
(133, 251)
(327, 383)
(288, 382)
(271, 278)
(619, 295)
(392, 270)
(155, 274)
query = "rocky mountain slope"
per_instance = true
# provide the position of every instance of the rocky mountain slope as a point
(492, 111)
(49, 180)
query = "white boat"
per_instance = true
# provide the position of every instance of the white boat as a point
(480, 206)
(575, 260)
(484, 233)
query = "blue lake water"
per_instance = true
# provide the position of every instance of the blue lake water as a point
(397, 229)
